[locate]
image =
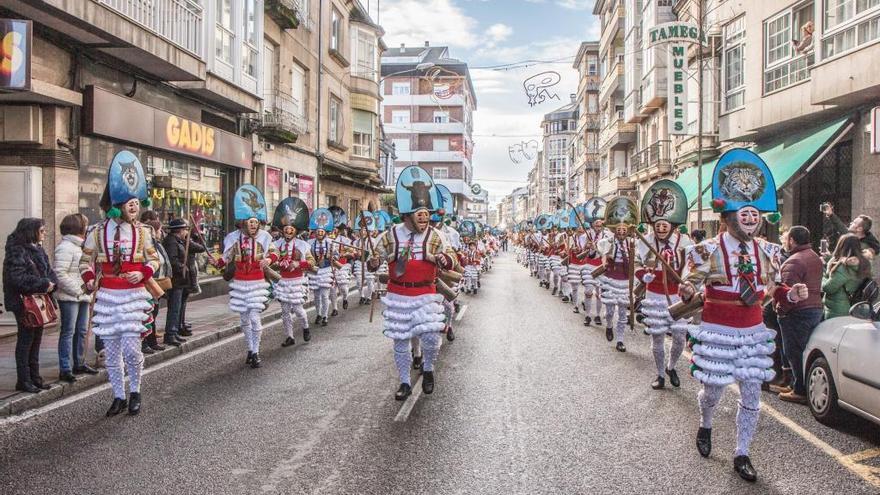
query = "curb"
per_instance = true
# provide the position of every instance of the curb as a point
(21, 402)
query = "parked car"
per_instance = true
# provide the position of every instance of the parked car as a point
(842, 368)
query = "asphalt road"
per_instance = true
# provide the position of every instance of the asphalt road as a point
(528, 400)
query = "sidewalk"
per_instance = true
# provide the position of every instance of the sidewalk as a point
(211, 320)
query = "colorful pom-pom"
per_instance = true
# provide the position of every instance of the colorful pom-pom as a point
(774, 217)
(718, 205)
(683, 229)
(114, 212)
(146, 203)
(641, 228)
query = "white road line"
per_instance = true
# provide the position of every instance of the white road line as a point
(461, 312)
(410, 402)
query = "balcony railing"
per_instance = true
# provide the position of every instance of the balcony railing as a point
(178, 21)
(655, 155)
(283, 122)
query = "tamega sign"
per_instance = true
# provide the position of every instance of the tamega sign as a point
(676, 32)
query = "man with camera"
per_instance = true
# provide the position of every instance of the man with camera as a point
(833, 227)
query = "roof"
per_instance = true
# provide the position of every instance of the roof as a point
(564, 112)
(586, 46)
(405, 59)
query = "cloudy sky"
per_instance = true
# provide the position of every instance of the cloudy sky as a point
(487, 33)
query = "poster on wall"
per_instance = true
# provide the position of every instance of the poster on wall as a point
(15, 54)
(306, 186)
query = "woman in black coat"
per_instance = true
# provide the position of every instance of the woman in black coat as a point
(26, 270)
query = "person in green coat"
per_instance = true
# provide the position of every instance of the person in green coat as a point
(845, 271)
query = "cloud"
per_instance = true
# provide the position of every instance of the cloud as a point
(498, 33)
(404, 22)
(576, 4)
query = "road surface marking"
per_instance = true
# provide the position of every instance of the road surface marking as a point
(461, 312)
(870, 475)
(410, 402)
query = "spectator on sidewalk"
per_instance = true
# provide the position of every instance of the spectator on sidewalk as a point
(72, 299)
(26, 271)
(783, 379)
(798, 320)
(847, 269)
(150, 344)
(184, 278)
(861, 225)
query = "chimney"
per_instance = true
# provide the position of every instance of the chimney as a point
(574, 97)
(402, 47)
(427, 44)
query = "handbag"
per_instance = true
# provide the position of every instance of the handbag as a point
(38, 309)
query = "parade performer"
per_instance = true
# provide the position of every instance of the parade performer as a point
(617, 254)
(366, 280)
(665, 208)
(294, 260)
(342, 269)
(736, 269)
(323, 252)
(471, 263)
(119, 257)
(596, 233)
(577, 257)
(414, 252)
(247, 252)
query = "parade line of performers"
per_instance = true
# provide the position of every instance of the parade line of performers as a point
(416, 264)
(640, 265)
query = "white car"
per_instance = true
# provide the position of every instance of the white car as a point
(842, 367)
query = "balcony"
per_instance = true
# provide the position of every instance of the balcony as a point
(632, 106)
(286, 13)
(612, 26)
(592, 123)
(617, 135)
(612, 80)
(433, 127)
(283, 123)
(178, 21)
(429, 100)
(655, 160)
(433, 156)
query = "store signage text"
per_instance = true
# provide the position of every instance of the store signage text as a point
(676, 32)
(15, 54)
(197, 198)
(189, 136)
(676, 107)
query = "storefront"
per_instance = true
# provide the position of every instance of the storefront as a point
(192, 169)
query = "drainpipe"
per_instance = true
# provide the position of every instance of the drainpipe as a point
(318, 154)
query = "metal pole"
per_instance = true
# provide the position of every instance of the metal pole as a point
(700, 116)
(318, 156)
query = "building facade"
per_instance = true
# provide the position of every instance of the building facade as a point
(584, 148)
(549, 180)
(428, 102)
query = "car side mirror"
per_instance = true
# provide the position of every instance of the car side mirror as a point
(862, 311)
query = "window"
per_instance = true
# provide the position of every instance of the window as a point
(440, 172)
(249, 53)
(592, 103)
(441, 145)
(592, 142)
(592, 65)
(400, 116)
(848, 24)
(363, 126)
(401, 88)
(441, 117)
(363, 54)
(270, 81)
(335, 135)
(786, 57)
(298, 91)
(224, 31)
(331, 200)
(734, 49)
(335, 31)
(557, 166)
(354, 207)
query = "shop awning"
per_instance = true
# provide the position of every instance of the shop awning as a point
(785, 157)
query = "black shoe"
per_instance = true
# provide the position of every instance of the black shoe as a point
(334, 313)
(67, 377)
(417, 362)
(256, 362)
(146, 349)
(609, 334)
(324, 321)
(479, 285)
(288, 342)
(184, 332)
(318, 320)
(620, 347)
(171, 340)
(743, 467)
(428, 382)
(673, 378)
(38, 382)
(450, 335)
(85, 370)
(157, 347)
(658, 383)
(554, 292)
(598, 321)
(566, 299)
(187, 325)
(587, 321)
(307, 335)
(116, 407)
(403, 392)
(27, 387)
(576, 310)
(134, 403)
(179, 339)
(345, 304)
(250, 358)
(704, 441)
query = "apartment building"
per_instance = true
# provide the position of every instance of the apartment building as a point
(513, 208)
(583, 177)
(559, 131)
(428, 102)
